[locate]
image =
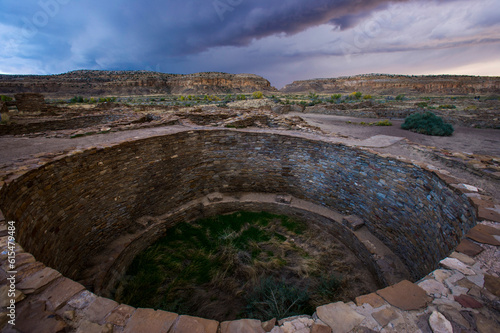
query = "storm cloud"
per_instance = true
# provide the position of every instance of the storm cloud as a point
(281, 40)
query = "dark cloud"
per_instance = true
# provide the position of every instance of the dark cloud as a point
(227, 35)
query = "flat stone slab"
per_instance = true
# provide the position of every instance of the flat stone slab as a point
(380, 141)
(452, 263)
(434, 288)
(120, 315)
(242, 326)
(38, 280)
(59, 292)
(189, 324)
(486, 213)
(151, 321)
(468, 302)
(484, 234)
(405, 295)
(34, 318)
(99, 309)
(339, 316)
(492, 284)
(373, 299)
(385, 316)
(353, 222)
(469, 248)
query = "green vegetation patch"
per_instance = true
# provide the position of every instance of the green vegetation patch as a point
(232, 266)
(427, 123)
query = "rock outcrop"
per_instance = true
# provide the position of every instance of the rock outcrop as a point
(122, 83)
(382, 84)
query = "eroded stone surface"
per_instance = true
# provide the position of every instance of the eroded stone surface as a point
(492, 283)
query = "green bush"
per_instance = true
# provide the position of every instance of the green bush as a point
(4, 98)
(355, 95)
(336, 96)
(77, 99)
(367, 97)
(422, 104)
(447, 106)
(257, 95)
(313, 96)
(241, 98)
(400, 97)
(427, 123)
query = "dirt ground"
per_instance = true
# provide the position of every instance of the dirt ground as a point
(464, 139)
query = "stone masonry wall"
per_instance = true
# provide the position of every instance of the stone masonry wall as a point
(69, 210)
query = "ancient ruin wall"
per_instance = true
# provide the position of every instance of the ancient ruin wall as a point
(69, 210)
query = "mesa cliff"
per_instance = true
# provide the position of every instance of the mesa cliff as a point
(382, 84)
(123, 83)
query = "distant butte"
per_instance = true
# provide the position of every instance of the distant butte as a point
(130, 83)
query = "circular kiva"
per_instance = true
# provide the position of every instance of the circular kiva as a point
(89, 214)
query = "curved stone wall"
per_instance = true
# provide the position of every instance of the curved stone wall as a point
(70, 210)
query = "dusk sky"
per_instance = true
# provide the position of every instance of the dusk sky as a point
(283, 40)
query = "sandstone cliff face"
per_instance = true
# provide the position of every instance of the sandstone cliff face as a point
(399, 84)
(120, 83)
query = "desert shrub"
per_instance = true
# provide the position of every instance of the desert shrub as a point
(471, 108)
(257, 95)
(4, 98)
(313, 96)
(447, 106)
(4, 119)
(336, 96)
(77, 99)
(367, 97)
(241, 98)
(355, 95)
(422, 104)
(383, 123)
(400, 97)
(427, 123)
(272, 298)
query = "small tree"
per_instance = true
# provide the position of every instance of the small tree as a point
(427, 123)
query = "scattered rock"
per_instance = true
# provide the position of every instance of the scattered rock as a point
(434, 288)
(339, 316)
(452, 263)
(439, 323)
(484, 234)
